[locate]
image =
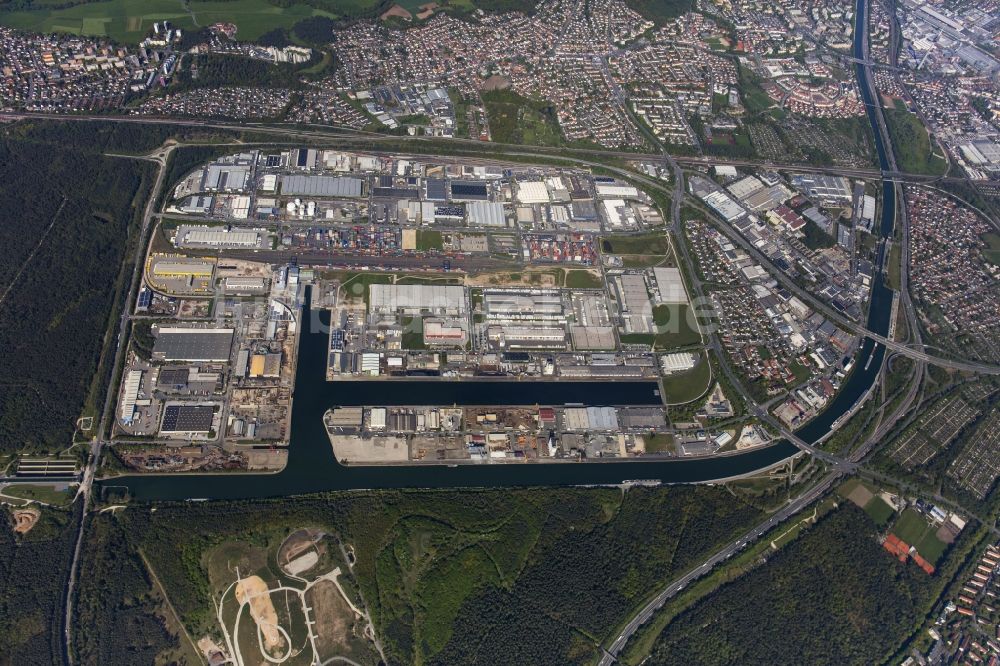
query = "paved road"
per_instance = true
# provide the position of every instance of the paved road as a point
(335, 133)
(650, 609)
(840, 466)
(90, 470)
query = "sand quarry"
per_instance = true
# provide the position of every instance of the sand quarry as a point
(25, 519)
(254, 591)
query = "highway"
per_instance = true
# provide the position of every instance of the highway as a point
(839, 466)
(614, 649)
(332, 134)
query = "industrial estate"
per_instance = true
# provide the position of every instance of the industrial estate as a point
(514, 332)
(455, 270)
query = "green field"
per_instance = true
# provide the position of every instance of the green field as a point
(992, 253)
(687, 386)
(895, 265)
(128, 21)
(518, 120)
(879, 511)
(641, 244)
(46, 494)
(428, 239)
(912, 144)
(910, 527)
(914, 529)
(581, 279)
(661, 443)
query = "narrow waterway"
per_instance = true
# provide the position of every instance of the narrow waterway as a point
(312, 467)
(868, 362)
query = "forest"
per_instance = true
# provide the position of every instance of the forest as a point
(117, 613)
(33, 574)
(834, 596)
(509, 577)
(65, 217)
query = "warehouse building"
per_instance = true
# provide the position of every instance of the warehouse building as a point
(439, 332)
(592, 337)
(225, 178)
(830, 190)
(523, 305)
(642, 418)
(679, 362)
(486, 214)
(616, 191)
(415, 299)
(219, 238)
(436, 189)
(130, 393)
(245, 285)
(636, 310)
(183, 269)
(669, 286)
(590, 418)
(744, 187)
(187, 420)
(532, 192)
(197, 205)
(728, 209)
(346, 417)
(526, 337)
(209, 345)
(468, 190)
(321, 186)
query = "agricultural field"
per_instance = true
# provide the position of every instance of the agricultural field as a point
(128, 21)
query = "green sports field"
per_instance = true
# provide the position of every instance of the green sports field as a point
(127, 21)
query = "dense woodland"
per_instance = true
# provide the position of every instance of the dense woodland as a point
(509, 577)
(33, 574)
(834, 596)
(101, 136)
(116, 619)
(216, 70)
(65, 218)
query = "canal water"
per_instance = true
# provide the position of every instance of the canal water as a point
(868, 362)
(312, 466)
